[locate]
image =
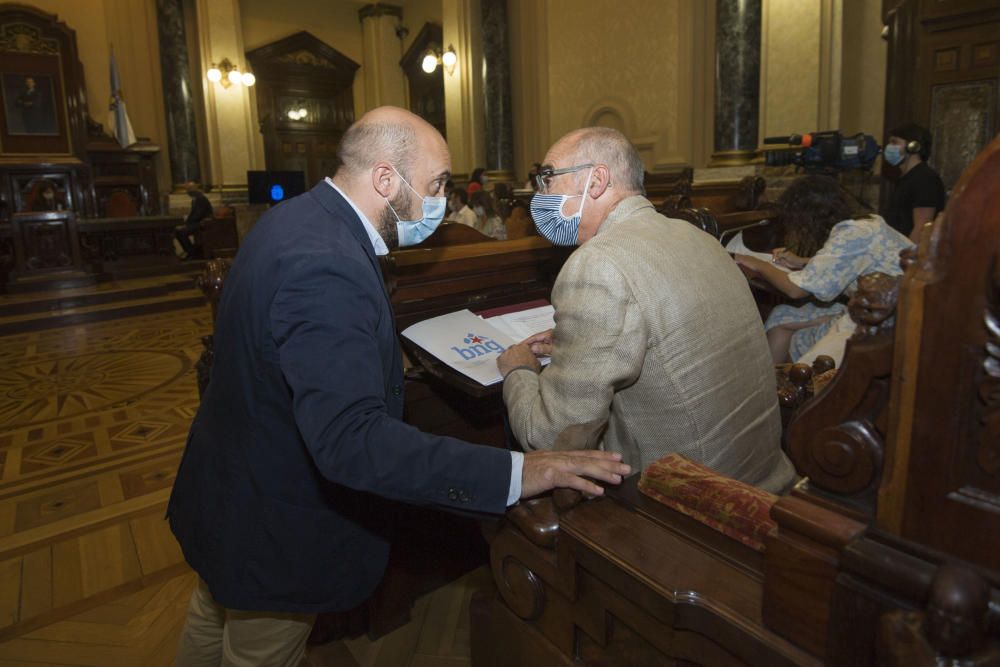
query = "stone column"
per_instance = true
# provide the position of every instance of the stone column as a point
(461, 23)
(384, 80)
(496, 91)
(182, 135)
(737, 81)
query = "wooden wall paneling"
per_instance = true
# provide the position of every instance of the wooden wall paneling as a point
(301, 72)
(943, 72)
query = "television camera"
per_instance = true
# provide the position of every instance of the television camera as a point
(828, 151)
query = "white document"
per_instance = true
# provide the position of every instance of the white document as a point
(525, 323)
(464, 341)
(736, 246)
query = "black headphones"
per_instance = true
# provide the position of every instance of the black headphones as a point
(913, 147)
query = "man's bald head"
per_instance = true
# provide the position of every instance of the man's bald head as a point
(386, 134)
(392, 161)
(603, 145)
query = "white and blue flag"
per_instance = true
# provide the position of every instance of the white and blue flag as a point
(118, 121)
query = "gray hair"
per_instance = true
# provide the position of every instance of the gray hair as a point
(368, 142)
(604, 145)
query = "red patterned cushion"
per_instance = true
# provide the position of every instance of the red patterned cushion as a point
(735, 509)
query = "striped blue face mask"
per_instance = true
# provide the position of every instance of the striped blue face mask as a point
(547, 212)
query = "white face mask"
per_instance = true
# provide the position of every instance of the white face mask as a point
(412, 232)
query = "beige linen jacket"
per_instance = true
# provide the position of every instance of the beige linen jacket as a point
(656, 331)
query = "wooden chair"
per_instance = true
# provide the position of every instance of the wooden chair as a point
(888, 553)
(120, 204)
(218, 236)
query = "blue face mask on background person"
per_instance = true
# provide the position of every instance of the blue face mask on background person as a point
(546, 211)
(893, 154)
(412, 232)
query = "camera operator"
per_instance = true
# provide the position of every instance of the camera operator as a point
(919, 194)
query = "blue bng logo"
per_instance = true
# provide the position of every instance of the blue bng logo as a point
(277, 193)
(478, 346)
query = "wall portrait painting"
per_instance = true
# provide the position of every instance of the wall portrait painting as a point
(33, 105)
(29, 104)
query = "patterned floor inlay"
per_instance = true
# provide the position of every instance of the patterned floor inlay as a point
(69, 386)
(93, 421)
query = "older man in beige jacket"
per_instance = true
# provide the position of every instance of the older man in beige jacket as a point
(656, 329)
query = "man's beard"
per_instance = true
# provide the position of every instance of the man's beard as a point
(387, 220)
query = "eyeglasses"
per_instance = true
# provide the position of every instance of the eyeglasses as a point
(546, 174)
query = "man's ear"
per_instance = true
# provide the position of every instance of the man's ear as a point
(382, 178)
(600, 181)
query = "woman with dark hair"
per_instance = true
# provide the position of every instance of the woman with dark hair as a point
(489, 223)
(477, 181)
(827, 248)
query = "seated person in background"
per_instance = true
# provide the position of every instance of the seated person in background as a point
(201, 208)
(827, 247)
(656, 329)
(919, 193)
(488, 222)
(458, 202)
(477, 181)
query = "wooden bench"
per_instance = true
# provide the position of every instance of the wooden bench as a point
(887, 553)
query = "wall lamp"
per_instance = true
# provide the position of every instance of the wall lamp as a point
(227, 74)
(298, 111)
(447, 59)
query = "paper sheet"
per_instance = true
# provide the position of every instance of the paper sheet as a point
(737, 247)
(525, 323)
(464, 341)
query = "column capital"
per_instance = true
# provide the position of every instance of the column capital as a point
(378, 9)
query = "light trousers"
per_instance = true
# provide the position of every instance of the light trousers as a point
(214, 636)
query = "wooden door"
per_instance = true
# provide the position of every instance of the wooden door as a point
(305, 102)
(944, 74)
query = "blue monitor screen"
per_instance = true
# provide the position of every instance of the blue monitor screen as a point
(271, 187)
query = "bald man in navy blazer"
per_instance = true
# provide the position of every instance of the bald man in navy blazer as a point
(278, 500)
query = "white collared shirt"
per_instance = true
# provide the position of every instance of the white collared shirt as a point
(378, 244)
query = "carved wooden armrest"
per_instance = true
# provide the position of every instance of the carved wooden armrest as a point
(538, 518)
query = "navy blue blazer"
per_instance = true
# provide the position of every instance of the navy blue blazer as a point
(276, 503)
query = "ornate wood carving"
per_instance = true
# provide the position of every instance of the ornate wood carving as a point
(963, 120)
(302, 72)
(46, 242)
(838, 440)
(988, 454)
(953, 629)
(305, 58)
(938, 492)
(20, 37)
(210, 282)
